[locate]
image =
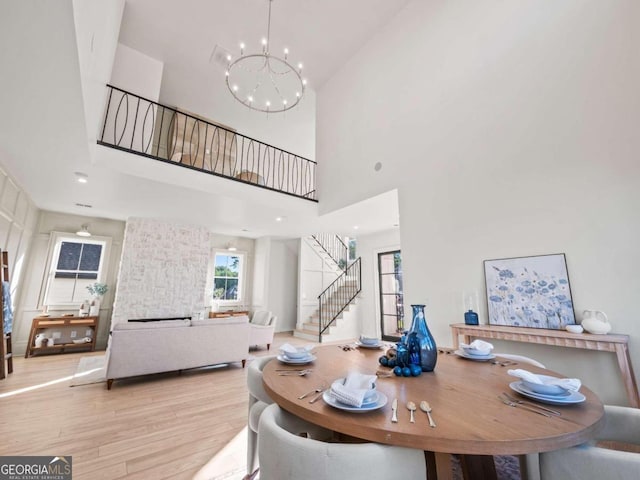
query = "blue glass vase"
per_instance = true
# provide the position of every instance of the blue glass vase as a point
(471, 318)
(422, 345)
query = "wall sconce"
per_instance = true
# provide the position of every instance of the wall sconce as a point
(84, 232)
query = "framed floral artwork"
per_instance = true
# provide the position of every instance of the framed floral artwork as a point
(529, 292)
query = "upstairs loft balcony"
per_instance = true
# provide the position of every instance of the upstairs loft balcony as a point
(140, 126)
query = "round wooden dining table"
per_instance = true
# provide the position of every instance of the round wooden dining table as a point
(463, 394)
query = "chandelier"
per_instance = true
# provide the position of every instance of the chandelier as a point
(265, 82)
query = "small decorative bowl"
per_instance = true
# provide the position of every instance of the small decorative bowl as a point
(574, 328)
(545, 388)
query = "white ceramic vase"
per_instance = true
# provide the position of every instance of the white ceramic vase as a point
(94, 309)
(596, 322)
(84, 309)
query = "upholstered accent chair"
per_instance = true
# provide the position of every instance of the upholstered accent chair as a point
(614, 454)
(290, 448)
(259, 399)
(263, 324)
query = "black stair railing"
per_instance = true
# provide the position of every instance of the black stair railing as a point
(334, 247)
(337, 296)
(144, 127)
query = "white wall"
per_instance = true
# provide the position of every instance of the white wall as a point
(283, 283)
(37, 267)
(137, 73)
(97, 25)
(293, 131)
(261, 273)
(275, 280)
(509, 129)
(141, 75)
(18, 216)
(367, 248)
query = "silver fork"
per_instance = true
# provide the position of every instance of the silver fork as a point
(524, 402)
(525, 407)
(317, 390)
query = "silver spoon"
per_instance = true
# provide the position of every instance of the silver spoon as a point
(412, 408)
(425, 407)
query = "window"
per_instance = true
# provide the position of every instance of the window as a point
(351, 244)
(391, 295)
(227, 277)
(75, 263)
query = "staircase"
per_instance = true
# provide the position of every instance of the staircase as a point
(335, 318)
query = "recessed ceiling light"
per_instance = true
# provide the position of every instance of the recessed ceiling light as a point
(279, 219)
(355, 227)
(82, 177)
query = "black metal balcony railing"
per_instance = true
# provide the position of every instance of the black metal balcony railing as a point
(144, 127)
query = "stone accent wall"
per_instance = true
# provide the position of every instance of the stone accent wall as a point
(163, 270)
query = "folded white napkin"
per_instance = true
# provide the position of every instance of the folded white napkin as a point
(483, 348)
(288, 348)
(368, 340)
(571, 384)
(354, 389)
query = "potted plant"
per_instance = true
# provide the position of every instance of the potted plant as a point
(96, 289)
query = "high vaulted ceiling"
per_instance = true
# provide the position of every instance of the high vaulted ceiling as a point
(43, 138)
(323, 34)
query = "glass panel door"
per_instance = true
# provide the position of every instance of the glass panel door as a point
(391, 296)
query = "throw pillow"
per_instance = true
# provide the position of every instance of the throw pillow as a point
(261, 318)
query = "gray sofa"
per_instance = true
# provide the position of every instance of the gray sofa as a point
(164, 346)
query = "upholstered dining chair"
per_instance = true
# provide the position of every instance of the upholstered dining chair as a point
(291, 448)
(614, 454)
(259, 399)
(262, 327)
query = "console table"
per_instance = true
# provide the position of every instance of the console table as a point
(77, 324)
(617, 344)
(228, 313)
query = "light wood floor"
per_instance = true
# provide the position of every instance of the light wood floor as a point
(153, 427)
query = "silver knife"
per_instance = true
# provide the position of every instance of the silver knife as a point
(394, 409)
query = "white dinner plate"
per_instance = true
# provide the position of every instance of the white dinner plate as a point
(477, 358)
(573, 397)
(364, 345)
(296, 361)
(380, 401)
